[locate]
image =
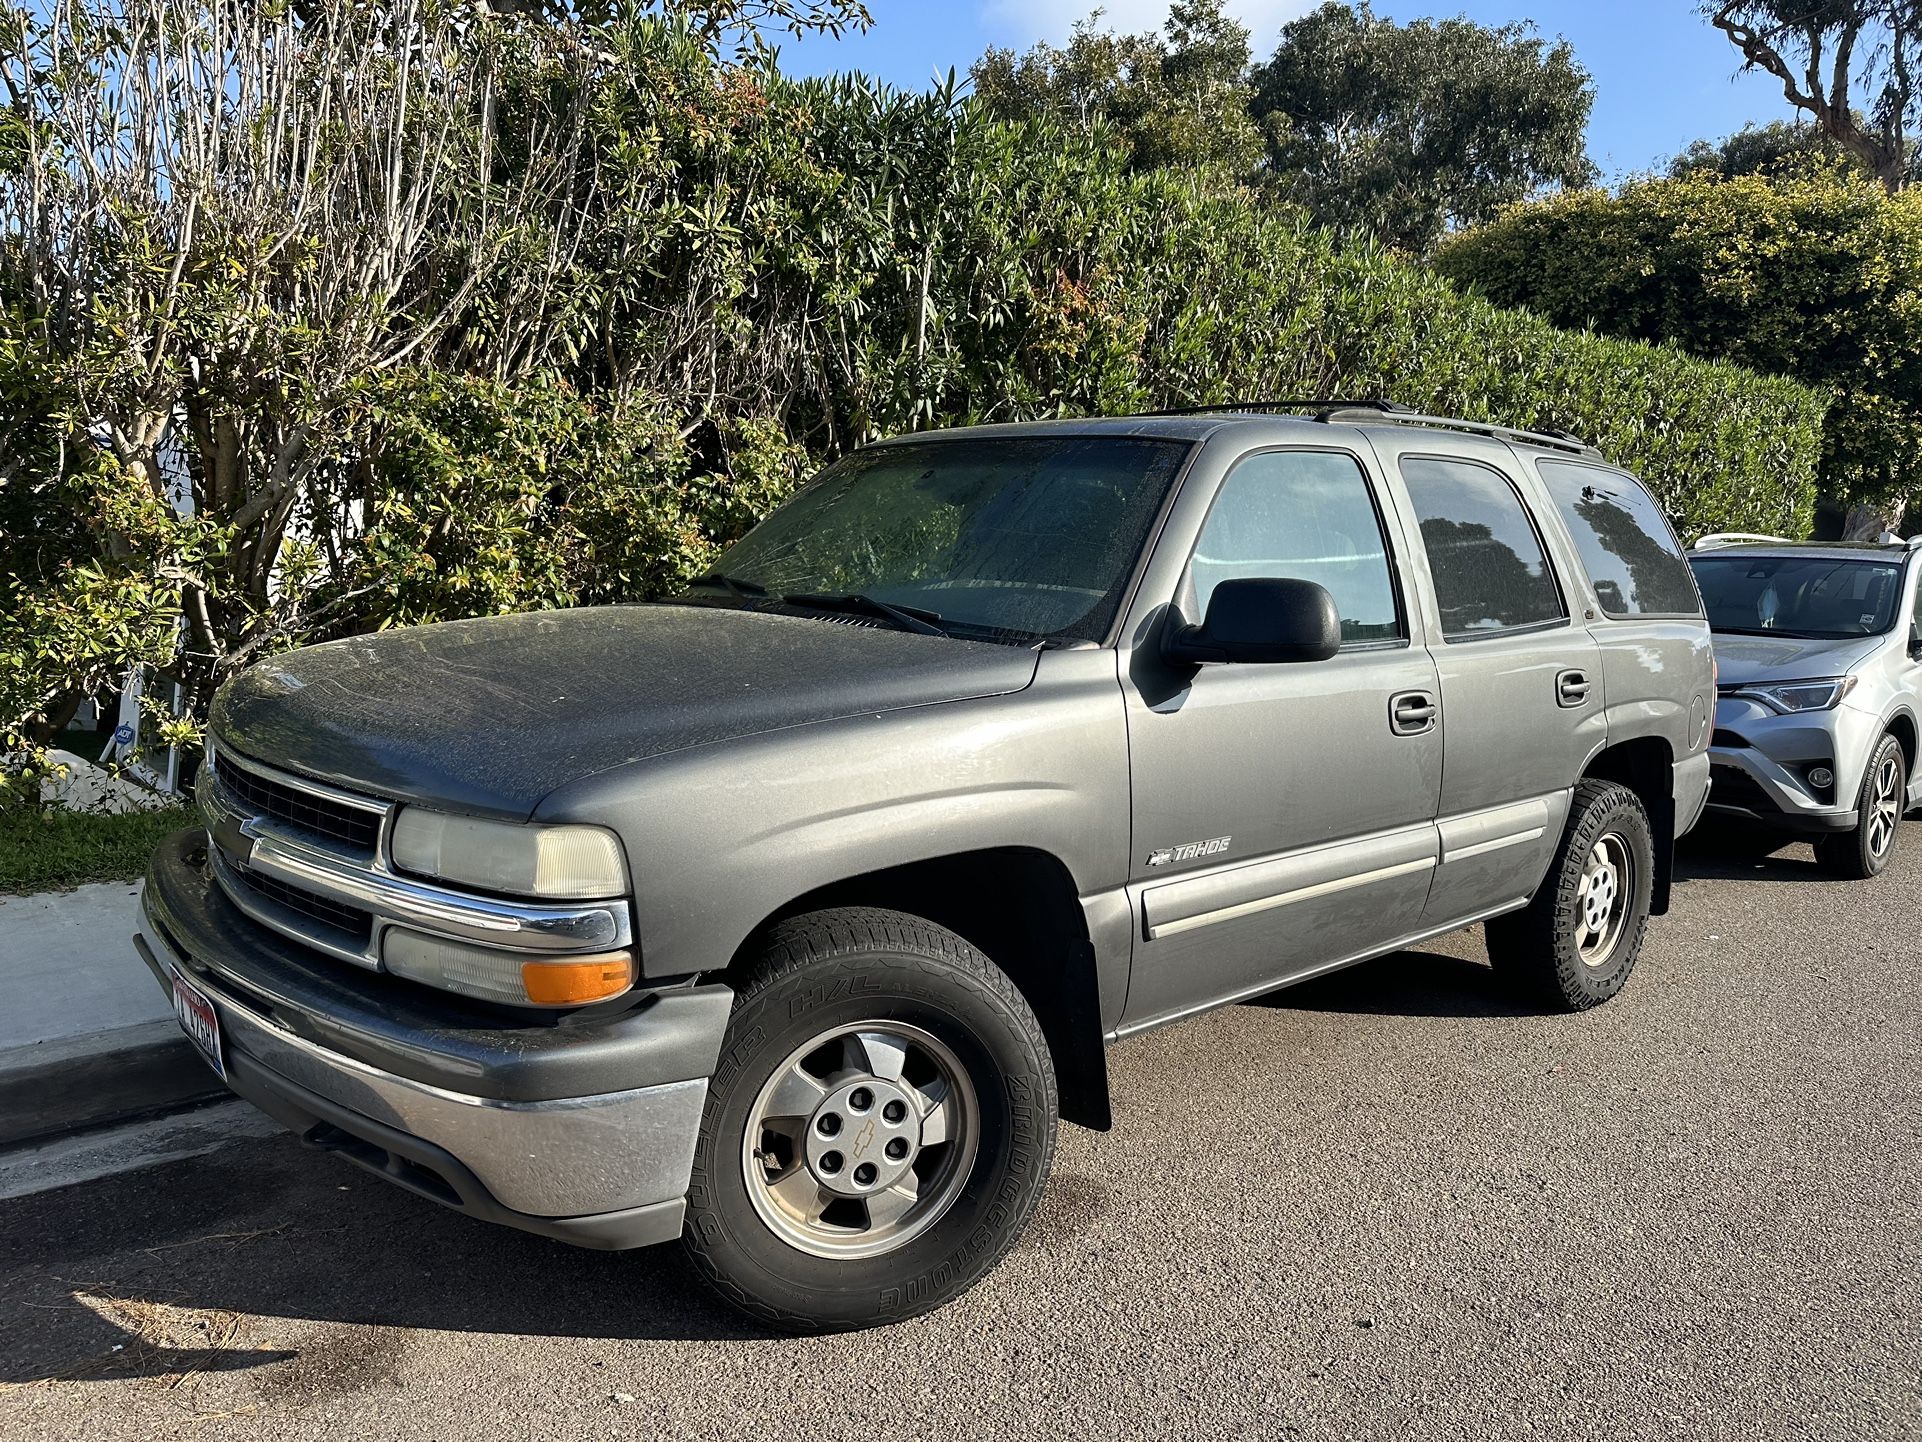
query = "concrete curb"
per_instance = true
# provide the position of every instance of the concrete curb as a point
(99, 1077)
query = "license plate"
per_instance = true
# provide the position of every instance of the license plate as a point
(199, 1020)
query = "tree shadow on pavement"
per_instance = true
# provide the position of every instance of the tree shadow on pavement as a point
(162, 1271)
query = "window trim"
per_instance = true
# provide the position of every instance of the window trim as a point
(1681, 551)
(1567, 618)
(1184, 586)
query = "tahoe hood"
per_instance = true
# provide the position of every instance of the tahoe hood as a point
(491, 715)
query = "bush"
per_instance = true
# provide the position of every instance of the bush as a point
(1815, 273)
(687, 283)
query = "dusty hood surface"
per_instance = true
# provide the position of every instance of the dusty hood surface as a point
(1742, 660)
(491, 715)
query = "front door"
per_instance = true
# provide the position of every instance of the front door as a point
(1283, 814)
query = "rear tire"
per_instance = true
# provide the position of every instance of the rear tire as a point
(1866, 851)
(1575, 943)
(879, 1128)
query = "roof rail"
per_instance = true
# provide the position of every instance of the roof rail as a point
(1375, 405)
(1717, 539)
(1547, 440)
(1379, 410)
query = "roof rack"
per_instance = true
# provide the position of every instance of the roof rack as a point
(1400, 416)
(1378, 410)
(1715, 540)
(1374, 405)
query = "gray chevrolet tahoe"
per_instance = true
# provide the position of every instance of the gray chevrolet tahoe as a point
(788, 916)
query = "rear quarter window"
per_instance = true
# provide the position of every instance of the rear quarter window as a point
(1624, 541)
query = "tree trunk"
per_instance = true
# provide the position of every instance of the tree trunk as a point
(1866, 522)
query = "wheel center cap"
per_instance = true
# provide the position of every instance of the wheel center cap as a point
(863, 1136)
(1600, 899)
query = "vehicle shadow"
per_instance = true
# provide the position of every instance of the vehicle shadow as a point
(1722, 851)
(171, 1270)
(1406, 983)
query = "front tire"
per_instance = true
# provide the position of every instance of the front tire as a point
(879, 1128)
(1866, 851)
(1575, 943)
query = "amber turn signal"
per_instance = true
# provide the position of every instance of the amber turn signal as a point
(570, 983)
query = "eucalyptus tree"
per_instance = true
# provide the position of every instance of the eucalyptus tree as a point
(1851, 66)
(1177, 98)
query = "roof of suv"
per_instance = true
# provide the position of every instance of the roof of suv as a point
(1199, 423)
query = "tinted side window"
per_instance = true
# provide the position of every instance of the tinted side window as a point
(1625, 545)
(1301, 515)
(1490, 572)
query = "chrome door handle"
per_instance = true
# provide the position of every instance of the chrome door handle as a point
(1410, 713)
(1571, 688)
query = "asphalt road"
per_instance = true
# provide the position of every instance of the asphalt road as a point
(1386, 1204)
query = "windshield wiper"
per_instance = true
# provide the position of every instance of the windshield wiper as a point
(746, 590)
(1787, 633)
(908, 618)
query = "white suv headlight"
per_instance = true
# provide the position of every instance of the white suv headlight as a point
(569, 863)
(1789, 697)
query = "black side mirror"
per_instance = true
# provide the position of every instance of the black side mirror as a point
(1258, 620)
(1915, 642)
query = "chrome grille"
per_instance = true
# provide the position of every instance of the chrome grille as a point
(355, 826)
(354, 925)
(307, 860)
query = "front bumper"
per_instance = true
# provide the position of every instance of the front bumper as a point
(1759, 762)
(581, 1128)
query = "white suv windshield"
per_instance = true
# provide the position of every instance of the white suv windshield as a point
(1818, 598)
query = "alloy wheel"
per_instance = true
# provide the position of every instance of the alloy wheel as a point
(1603, 898)
(861, 1139)
(1885, 805)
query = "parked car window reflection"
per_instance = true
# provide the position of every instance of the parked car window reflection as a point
(1011, 538)
(1626, 546)
(1301, 515)
(1490, 572)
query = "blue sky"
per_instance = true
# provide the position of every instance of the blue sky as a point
(1662, 76)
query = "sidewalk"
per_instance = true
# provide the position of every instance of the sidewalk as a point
(85, 1034)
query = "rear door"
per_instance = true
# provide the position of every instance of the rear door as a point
(1283, 814)
(1519, 673)
(1656, 659)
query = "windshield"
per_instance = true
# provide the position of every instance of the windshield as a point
(1022, 538)
(1810, 597)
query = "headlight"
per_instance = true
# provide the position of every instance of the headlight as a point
(1789, 697)
(569, 863)
(510, 976)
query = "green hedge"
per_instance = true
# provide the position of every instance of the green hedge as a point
(1232, 302)
(1815, 275)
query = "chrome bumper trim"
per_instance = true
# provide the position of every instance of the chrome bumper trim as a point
(564, 1158)
(243, 842)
